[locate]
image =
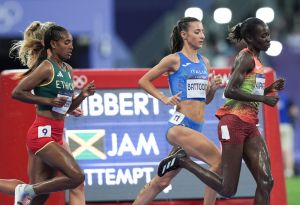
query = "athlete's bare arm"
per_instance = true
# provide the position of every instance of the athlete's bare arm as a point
(42, 74)
(168, 64)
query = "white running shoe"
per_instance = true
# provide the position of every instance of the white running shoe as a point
(20, 194)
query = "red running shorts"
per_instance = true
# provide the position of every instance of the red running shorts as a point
(232, 130)
(44, 131)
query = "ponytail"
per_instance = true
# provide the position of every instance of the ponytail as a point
(31, 51)
(176, 42)
(235, 33)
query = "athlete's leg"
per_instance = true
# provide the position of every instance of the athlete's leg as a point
(210, 194)
(58, 158)
(226, 183)
(257, 159)
(8, 186)
(200, 147)
(232, 151)
(155, 186)
(77, 196)
(38, 171)
(55, 156)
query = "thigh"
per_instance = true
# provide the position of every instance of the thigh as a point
(195, 144)
(231, 134)
(231, 164)
(38, 170)
(66, 146)
(257, 158)
(55, 156)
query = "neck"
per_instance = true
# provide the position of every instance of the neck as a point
(190, 53)
(254, 51)
(57, 60)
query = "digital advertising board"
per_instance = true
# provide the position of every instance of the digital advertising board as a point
(121, 138)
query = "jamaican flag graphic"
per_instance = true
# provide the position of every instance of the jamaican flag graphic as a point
(86, 144)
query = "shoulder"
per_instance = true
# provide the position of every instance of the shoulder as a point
(170, 62)
(245, 56)
(43, 70)
(244, 61)
(205, 59)
(46, 66)
(172, 58)
(206, 62)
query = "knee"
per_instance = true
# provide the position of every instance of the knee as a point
(171, 135)
(77, 178)
(229, 192)
(77, 190)
(160, 183)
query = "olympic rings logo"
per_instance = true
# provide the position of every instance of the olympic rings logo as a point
(11, 13)
(79, 81)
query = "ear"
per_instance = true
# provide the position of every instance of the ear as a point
(183, 35)
(53, 44)
(248, 38)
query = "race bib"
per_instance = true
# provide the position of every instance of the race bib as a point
(177, 118)
(196, 88)
(44, 131)
(63, 110)
(259, 84)
(225, 132)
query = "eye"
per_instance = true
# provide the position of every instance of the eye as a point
(67, 42)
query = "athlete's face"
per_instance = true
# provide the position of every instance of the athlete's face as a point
(262, 38)
(63, 48)
(194, 36)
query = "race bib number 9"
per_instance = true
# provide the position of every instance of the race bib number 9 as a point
(196, 88)
(44, 131)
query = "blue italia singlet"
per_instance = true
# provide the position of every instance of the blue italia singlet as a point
(191, 79)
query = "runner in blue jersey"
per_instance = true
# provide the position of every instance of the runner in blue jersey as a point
(191, 90)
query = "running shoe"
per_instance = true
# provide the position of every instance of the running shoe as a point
(20, 194)
(170, 163)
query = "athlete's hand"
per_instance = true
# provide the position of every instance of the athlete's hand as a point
(270, 100)
(89, 89)
(173, 100)
(277, 85)
(216, 80)
(58, 101)
(77, 112)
